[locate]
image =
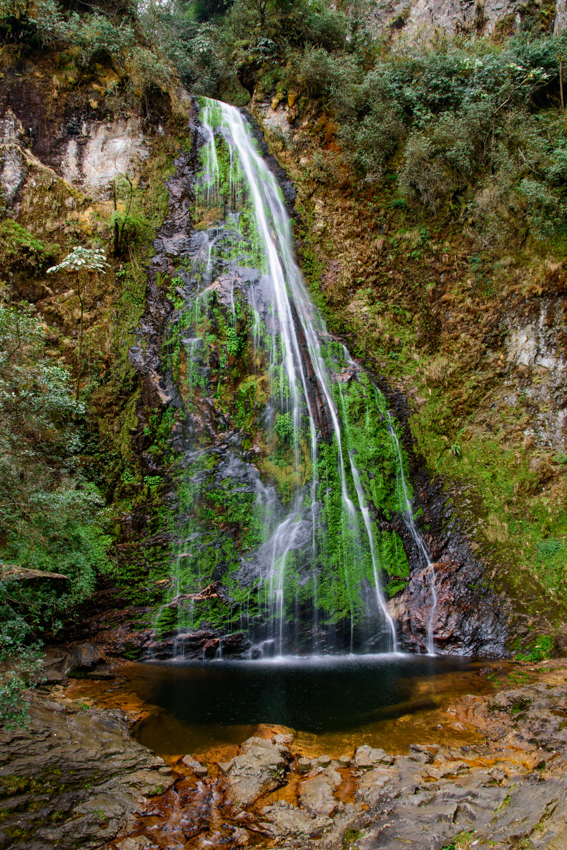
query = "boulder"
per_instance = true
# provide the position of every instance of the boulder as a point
(365, 758)
(316, 794)
(259, 767)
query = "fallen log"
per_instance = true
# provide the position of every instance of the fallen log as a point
(209, 592)
(13, 572)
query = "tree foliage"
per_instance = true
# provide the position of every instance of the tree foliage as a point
(50, 516)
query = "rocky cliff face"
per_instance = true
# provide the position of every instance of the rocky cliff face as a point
(426, 19)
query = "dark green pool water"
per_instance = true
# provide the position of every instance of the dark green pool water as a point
(208, 704)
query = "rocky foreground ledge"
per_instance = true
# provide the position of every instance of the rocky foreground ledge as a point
(73, 778)
(76, 779)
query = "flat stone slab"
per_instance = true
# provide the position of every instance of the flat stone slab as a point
(194, 765)
(283, 819)
(371, 785)
(365, 758)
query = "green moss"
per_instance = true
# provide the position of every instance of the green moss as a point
(166, 622)
(22, 250)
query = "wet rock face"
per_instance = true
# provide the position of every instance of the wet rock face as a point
(72, 778)
(466, 617)
(85, 660)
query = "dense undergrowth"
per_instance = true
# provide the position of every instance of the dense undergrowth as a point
(439, 168)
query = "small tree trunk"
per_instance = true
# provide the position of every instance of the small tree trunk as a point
(116, 228)
(80, 357)
(561, 84)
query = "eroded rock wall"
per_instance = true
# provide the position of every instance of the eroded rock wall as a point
(428, 18)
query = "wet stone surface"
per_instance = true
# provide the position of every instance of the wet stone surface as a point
(72, 778)
(260, 767)
(507, 788)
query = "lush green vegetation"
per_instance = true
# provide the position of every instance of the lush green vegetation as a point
(465, 125)
(462, 124)
(50, 513)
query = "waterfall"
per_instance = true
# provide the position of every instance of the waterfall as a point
(409, 520)
(290, 467)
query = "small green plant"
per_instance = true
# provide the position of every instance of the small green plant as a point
(540, 651)
(81, 260)
(128, 221)
(505, 803)
(234, 342)
(462, 841)
(517, 678)
(351, 835)
(284, 427)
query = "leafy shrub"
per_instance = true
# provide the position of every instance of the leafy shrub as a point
(544, 209)
(37, 23)
(422, 176)
(315, 70)
(89, 38)
(19, 249)
(324, 26)
(50, 516)
(19, 664)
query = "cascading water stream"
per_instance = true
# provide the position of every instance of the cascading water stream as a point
(290, 457)
(417, 538)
